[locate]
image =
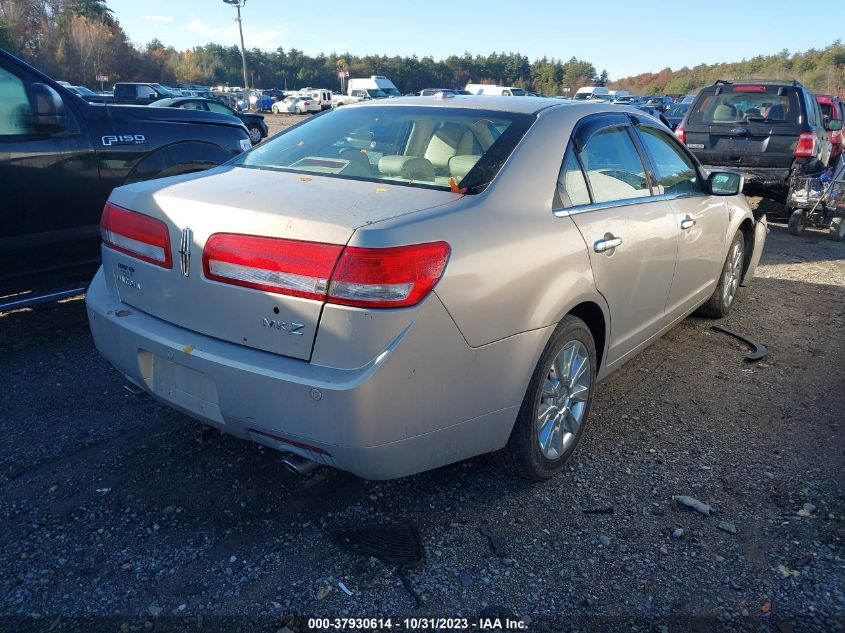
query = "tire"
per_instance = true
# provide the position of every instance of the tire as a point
(254, 134)
(797, 222)
(557, 413)
(724, 296)
(274, 110)
(837, 229)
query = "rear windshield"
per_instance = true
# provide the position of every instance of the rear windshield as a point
(747, 104)
(407, 145)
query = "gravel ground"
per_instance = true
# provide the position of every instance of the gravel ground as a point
(113, 516)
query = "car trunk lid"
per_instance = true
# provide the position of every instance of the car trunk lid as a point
(251, 202)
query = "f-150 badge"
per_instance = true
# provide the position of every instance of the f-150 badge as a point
(123, 139)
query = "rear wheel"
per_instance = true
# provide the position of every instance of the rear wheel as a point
(797, 222)
(274, 109)
(556, 406)
(254, 134)
(721, 301)
(837, 229)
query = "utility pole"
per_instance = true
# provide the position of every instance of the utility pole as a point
(238, 4)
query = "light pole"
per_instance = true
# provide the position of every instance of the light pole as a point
(238, 4)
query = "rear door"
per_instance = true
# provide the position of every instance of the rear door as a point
(745, 126)
(631, 235)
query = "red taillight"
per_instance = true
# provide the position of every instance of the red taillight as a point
(299, 269)
(806, 146)
(388, 277)
(365, 277)
(681, 134)
(135, 234)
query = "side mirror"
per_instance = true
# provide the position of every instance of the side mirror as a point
(833, 124)
(725, 183)
(48, 108)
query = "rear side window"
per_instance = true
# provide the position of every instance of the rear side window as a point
(571, 185)
(676, 173)
(613, 166)
(747, 104)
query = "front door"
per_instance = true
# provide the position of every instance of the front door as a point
(700, 219)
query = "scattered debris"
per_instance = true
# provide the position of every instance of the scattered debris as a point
(103, 491)
(759, 352)
(730, 528)
(344, 588)
(496, 544)
(786, 572)
(695, 504)
(322, 592)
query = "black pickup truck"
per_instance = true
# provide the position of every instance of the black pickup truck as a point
(60, 158)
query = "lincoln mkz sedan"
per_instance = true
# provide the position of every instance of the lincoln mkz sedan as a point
(402, 284)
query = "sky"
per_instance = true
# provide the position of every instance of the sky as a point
(625, 38)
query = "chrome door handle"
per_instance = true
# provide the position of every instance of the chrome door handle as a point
(607, 244)
(687, 223)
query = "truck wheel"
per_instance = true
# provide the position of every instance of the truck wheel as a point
(837, 229)
(797, 222)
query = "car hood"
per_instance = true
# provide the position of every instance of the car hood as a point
(173, 115)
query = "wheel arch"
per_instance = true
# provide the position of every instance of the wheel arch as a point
(594, 317)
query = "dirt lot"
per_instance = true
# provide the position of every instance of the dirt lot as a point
(114, 517)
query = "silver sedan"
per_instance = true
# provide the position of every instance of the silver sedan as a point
(402, 284)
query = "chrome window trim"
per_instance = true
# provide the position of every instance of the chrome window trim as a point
(565, 212)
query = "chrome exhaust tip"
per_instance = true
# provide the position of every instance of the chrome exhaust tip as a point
(298, 464)
(135, 390)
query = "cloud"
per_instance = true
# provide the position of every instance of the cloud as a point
(224, 34)
(158, 18)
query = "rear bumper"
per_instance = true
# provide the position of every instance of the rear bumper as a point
(426, 400)
(764, 177)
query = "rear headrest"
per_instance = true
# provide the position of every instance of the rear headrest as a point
(410, 167)
(724, 112)
(460, 166)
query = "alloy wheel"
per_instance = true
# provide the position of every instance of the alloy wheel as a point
(733, 273)
(563, 401)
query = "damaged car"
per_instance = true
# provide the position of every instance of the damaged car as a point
(458, 287)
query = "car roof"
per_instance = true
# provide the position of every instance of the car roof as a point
(517, 105)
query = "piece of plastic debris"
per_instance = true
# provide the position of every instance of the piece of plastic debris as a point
(695, 504)
(103, 491)
(786, 572)
(344, 588)
(759, 352)
(188, 349)
(803, 513)
(454, 187)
